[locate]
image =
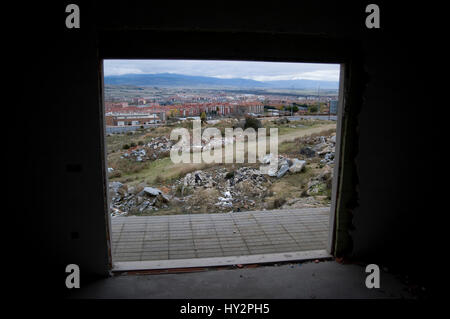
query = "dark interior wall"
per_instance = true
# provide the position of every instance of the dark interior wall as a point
(393, 221)
(66, 220)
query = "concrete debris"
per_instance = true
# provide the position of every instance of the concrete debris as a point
(283, 169)
(297, 166)
(320, 183)
(115, 186)
(198, 178)
(128, 200)
(152, 191)
(307, 151)
(328, 158)
(322, 146)
(157, 147)
(268, 158)
(117, 213)
(284, 165)
(216, 142)
(333, 139)
(233, 189)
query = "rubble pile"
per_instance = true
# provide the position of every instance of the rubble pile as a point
(151, 151)
(237, 188)
(285, 165)
(132, 199)
(216, 142)
(320, 182)
(322, 146)
(231, 189)
(198, 179)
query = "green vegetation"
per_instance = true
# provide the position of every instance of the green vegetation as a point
(290, 186)
(313, 109)
(116, 142)
(292, 109)
(252, 122)
(294, 126)
(292, 148)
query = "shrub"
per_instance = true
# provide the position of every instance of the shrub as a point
(159, 179)
(252, 122)
(283, 120)
(132, 144)
(239, 124)
(140, 143)
(181, 190)
(229, 175)
(126, 146)
(203, 117)
(277, 203)
(313, 109)
(115, 174)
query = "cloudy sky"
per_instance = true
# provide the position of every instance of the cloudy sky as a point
(260, 71)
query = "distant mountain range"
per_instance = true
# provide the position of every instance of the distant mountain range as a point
(180, 80)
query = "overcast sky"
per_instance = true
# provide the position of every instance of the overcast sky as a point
(260, 71)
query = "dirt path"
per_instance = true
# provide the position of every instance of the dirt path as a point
(300, 133)
(284, 138)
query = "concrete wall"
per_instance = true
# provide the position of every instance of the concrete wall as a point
(67, 221)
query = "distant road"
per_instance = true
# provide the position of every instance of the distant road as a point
(299, 117)
(319, 117)
(127, 128)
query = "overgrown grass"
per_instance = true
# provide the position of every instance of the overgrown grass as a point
(160, 172)
(290, 186)
(293, 147)
(115, 142)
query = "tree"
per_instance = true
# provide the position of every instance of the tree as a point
(173, 113)
(203, 117)
(252, 122)
(292, 109)
(313, 108)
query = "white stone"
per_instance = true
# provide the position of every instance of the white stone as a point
(333, 139)
(152, 191)
(297, 165)
(267, 158)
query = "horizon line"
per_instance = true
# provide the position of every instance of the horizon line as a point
(219, 77)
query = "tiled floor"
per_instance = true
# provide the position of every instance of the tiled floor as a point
(136, 238)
